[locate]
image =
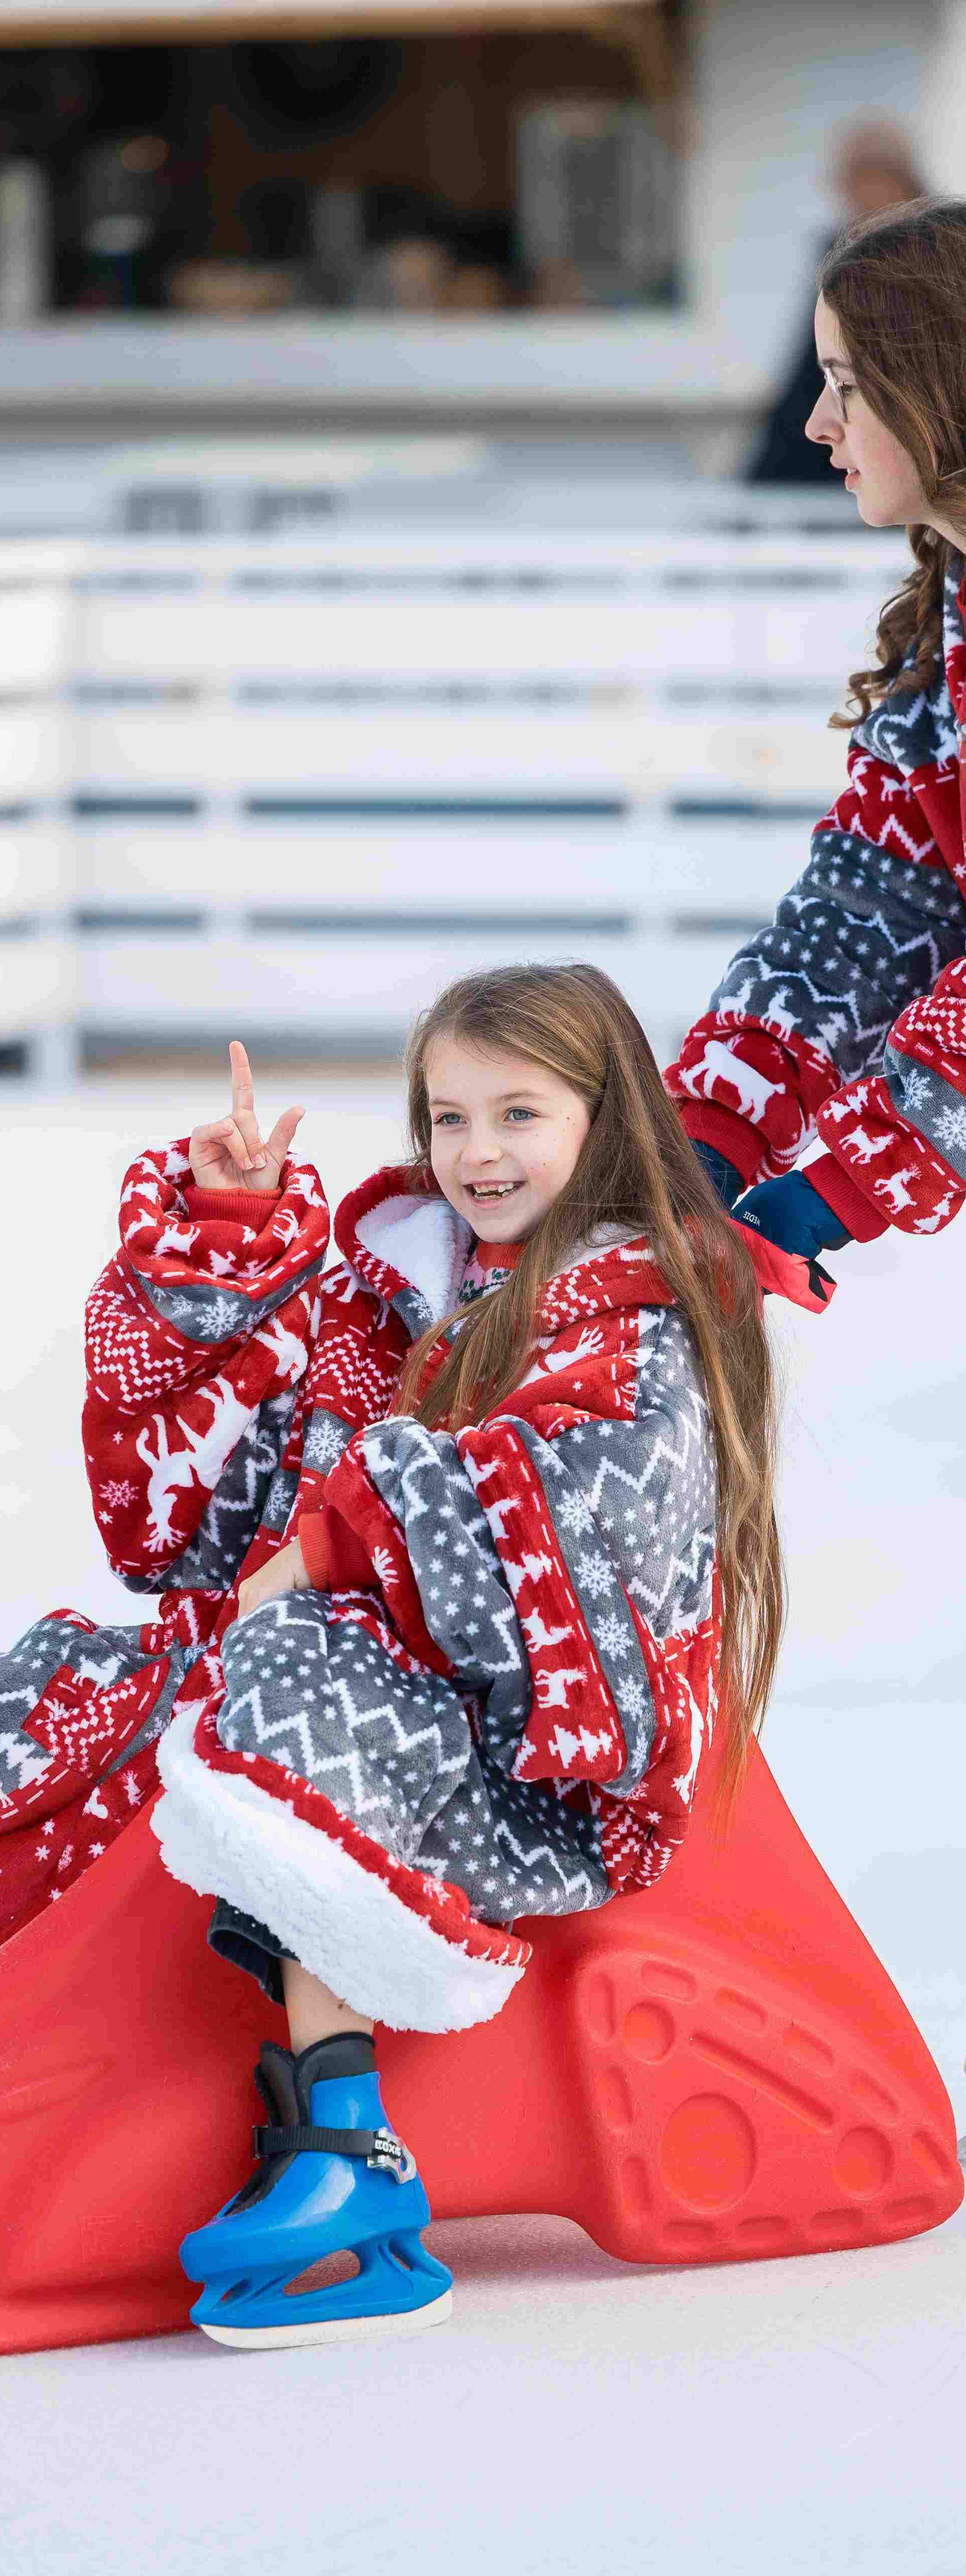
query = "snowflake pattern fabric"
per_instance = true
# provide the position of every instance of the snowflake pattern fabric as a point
(847, 1017)
(395, 1749)
(81, 1708)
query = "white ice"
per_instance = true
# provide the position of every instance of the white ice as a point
(577, 2415)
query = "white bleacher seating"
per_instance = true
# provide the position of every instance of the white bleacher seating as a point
(289, 787)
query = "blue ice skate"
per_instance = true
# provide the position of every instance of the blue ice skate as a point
(323, 2243)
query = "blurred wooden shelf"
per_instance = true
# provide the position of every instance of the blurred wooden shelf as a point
(102, 22)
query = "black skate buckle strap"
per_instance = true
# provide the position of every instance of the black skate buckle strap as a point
(378, 2146)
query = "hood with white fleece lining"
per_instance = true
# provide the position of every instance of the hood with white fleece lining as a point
(404, 1241)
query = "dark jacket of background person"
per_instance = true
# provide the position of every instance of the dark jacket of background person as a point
(873, 169)
(783, 454)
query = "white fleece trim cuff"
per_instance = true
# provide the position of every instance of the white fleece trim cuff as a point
(224, 1836)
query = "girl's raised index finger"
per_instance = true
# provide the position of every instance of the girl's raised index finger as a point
(242, 1093)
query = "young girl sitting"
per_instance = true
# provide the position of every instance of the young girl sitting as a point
(460, 1541)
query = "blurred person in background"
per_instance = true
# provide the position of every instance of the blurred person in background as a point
(872, 170)
(848, 1015)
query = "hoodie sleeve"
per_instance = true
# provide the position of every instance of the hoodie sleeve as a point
(896, 1144)
(198, 1334)
(808, 1004)
(569, 1579)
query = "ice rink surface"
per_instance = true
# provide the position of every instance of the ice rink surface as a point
(577, 2414)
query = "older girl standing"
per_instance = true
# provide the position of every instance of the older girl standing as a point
(848, 1015)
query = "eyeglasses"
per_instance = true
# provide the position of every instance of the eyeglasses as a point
(838, 391)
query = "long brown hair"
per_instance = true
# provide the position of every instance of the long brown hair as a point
(897, 286)
(636, 1168)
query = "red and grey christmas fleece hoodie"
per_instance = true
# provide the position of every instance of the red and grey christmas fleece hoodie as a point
(501, 1703)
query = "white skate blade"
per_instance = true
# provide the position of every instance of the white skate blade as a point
(338, 2330)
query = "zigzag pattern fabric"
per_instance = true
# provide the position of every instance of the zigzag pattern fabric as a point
(385, 1778)
(394, 1748)
(847, 1017)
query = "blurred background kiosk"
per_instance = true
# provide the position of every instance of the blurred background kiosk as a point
(381, 586)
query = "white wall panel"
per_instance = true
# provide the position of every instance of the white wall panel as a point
(30, 753)
(152, 625)
(773, 758)
(303, 984)
(38, 986)
(361, 867)
(674, 687)
(37, 867)
(34, 619)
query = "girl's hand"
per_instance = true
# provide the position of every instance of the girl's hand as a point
(230, 1154)
(283, 1573)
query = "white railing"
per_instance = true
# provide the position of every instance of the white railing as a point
(293, 787)
(39, 963)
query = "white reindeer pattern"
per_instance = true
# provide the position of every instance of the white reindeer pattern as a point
(86, 1670)
(532, 1566)
(287, 1350)
(895, 1190)
(178, 1238)
(552, 1688)
(734, 1005)
(719, 1063)
(591, 1342)
(779, 1014)
(866, 1147)
(537, 1634)
(304, 1185)
(204, 1457)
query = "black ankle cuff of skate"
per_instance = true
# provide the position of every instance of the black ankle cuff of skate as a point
(347, 2053)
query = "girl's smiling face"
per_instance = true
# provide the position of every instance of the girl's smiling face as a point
(506, 1134)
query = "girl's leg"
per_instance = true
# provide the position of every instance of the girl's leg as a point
(314, 2012)
(324, 2243)
(325, 2239)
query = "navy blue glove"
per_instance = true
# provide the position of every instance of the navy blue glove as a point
(789, 1213)
(721, 1174)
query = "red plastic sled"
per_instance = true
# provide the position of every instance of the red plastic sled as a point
(713, 2070)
